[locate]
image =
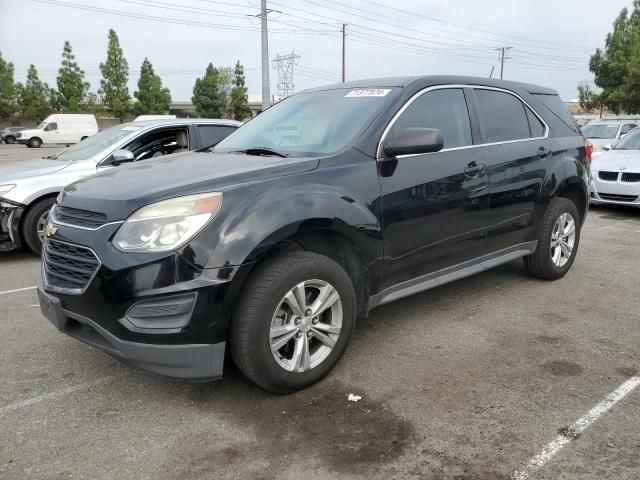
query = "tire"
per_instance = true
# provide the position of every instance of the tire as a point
(9, 139)
(35, 142)
(31, 220)
(83, 138)
(263, 297)
(543, 263)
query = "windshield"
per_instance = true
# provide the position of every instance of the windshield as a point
(95, 143)
(600, 131)
(631, 141)
(309, 124)
(41, 126)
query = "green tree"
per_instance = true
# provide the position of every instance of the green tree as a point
(239, 107)
(616, 68)
(115, 74)
(33, 97)
(72, 87)
(151, 96)
(589, 100)
(209, 95)
(7, 90)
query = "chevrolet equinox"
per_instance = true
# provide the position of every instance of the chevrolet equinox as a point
(332, 202)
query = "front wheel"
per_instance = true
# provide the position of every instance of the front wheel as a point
(293, 321)
(34, 223)
(558, 241)
(10, 139)
(35, 142)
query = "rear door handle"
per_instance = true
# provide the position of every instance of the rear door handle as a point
(544, 152)
(474, 169)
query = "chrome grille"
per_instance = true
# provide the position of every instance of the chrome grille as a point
(609, 176)
(631, 177)
(78, 218)
(66, 267)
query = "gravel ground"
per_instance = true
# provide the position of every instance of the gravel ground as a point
(467, 381)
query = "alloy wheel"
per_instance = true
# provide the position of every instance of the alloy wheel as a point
(306, 326)
(42, 225)
(563, 239)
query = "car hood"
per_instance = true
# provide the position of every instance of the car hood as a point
(13, 171)
(615, 160)
(120, 191)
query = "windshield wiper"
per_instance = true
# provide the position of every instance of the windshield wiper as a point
(261, 151)
(51, 157)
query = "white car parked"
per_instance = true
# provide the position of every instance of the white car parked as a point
(602, 135)
(616, 173)
(59, 128)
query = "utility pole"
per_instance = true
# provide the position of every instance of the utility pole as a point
(266, 90)
(344, 34)
(503, 54)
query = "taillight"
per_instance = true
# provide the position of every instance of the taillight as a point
(588, 149)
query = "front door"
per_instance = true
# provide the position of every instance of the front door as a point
(435, 206)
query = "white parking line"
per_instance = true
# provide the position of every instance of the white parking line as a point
(574, 430)
(48, 396)
(18, 290)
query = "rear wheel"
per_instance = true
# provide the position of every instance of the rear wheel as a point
(558, 241)
(34, 223)
(293, 321)
(9, 139)
(35, 142)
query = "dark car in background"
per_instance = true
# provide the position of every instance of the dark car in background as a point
(330, 203)
(8, 135)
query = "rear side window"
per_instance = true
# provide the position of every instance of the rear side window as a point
(558, 109)
(535, 125)
(502, 116)
(212, 134)
(445, 110)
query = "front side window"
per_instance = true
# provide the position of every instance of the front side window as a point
(502, 116)
(310, 124)
(96, 143)
(159, 143)
(445, 110)
(51, 127)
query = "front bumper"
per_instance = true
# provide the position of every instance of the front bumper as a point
(10, 214)
(193, 361)
(614, 192)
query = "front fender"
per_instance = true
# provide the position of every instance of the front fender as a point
(276, 214)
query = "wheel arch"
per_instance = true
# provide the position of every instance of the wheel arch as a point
(28, 208)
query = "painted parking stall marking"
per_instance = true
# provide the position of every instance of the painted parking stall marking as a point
(584, 422)
(18, 290)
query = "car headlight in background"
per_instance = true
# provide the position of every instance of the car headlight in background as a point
(166, 225)
(4, 189)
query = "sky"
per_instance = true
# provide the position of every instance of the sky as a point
(552, 40)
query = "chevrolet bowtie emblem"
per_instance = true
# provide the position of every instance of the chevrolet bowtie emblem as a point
(50, 230)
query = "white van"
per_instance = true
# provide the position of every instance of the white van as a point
(62, 128)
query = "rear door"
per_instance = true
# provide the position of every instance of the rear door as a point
(435, 207)
(517, 151)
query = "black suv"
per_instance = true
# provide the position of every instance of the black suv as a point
(330, 203)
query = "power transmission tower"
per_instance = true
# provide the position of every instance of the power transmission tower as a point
(503, 54)
(344, 34)
(285, 64)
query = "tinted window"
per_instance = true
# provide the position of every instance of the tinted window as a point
(603, 131)
(445, 110)
(212, 134)
(627, 128)
(535, 125)
(555, 106)
(50, 127)
(502, 116)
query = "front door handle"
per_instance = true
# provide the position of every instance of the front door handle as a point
(544, 152)
(474, 169)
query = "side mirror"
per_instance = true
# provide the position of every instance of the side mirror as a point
(121, 156)
(608, 146)
(413, 141)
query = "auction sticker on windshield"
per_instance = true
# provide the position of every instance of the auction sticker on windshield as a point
(368, 92)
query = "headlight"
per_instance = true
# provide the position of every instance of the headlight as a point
(4, 189)
(166, 225)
